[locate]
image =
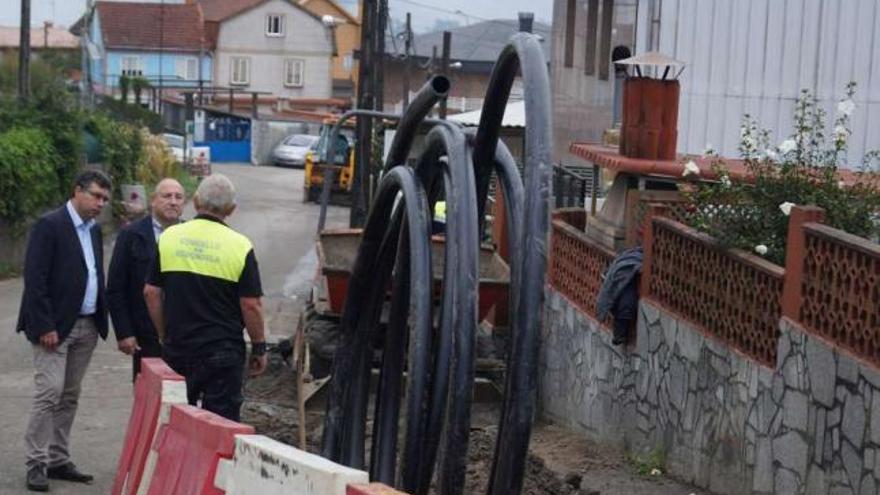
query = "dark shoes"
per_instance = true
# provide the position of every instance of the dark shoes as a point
(69, 472)
(37, 480)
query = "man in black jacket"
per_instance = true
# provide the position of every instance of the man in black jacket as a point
(62, 313)
(134, 250)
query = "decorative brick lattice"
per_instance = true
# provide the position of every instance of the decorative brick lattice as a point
(576, 265)
(675, 209)
(841, 289)
(729, 293)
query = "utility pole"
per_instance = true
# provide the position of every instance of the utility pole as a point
(407, 61)
(444, 66)
(380, 27)
(24, 52)
(364, 131)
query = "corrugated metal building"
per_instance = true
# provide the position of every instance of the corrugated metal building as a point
(753, 56)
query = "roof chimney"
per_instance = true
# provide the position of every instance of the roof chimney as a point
(46, 26)
(525, 21)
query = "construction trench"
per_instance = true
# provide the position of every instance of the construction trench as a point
(417, 426)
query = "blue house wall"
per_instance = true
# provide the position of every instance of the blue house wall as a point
(152, 61)
(105, 71)
(97, 65)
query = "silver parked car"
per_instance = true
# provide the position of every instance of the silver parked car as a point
(291, 152)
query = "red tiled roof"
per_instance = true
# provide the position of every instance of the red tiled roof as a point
(54, 37)
(219, 10)
(151, 25)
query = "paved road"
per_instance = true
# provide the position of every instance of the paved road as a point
(282, 230)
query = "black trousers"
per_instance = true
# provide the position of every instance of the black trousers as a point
(213, 377)
(150, 347)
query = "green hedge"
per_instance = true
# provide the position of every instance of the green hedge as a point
(135, 115)
(28, 174)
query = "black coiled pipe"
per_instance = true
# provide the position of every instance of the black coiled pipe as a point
(396, 247)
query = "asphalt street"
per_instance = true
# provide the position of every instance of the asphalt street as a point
(282, 229)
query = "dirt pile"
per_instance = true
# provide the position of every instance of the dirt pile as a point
(560, 462)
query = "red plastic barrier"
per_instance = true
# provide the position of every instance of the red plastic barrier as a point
(142, 423)
(189, 447)
(372, 489)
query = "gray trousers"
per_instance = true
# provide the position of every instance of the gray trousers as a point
(57, 379)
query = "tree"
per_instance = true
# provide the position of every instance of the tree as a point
(138, 84)
(124, 84)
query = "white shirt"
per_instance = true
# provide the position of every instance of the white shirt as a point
(157, 229)
(83, 231)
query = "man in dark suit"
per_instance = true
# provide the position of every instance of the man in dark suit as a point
(134, 250)
(62, 313)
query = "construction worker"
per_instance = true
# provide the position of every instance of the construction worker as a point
(438, 225)
(204, 286)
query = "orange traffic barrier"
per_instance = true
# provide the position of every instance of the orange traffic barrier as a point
(372, 489)
(188, 449)
(148, 397)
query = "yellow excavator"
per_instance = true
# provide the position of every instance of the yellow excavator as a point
(318, 165)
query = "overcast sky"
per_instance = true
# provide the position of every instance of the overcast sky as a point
(425, 13)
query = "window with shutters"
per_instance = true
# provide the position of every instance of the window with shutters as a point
(294, 69)
(274, 25)
(187, 68)
(131, 66)
(240, 68)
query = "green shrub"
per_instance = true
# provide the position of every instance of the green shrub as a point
(156, 161)
(28, 181)
(135, 115)
(805, 169)
(120, 147)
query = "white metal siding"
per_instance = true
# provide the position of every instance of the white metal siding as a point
(754, 56)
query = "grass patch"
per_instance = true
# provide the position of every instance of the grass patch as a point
(189, 182)
(652, 463)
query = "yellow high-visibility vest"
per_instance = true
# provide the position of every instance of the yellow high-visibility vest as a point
(440, 211)
(204, 247)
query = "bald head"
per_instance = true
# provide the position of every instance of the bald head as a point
(167, 204)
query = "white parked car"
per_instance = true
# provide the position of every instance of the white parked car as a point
(291, 152)
(175, 143)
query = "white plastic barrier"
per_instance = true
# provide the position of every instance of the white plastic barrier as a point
(173, 392)
(268, 467)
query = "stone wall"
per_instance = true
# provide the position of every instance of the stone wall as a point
(723, 421)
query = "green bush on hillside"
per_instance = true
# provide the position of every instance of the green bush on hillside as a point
(28, 181)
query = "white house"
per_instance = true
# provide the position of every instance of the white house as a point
(272, 46)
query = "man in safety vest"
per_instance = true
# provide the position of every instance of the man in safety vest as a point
(438, 225)
(203, 287)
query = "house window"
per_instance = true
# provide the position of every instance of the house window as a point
(348, 62)
(131, 66)
(187, 68)
(293, 72)
(274, 25)
(240, 68)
